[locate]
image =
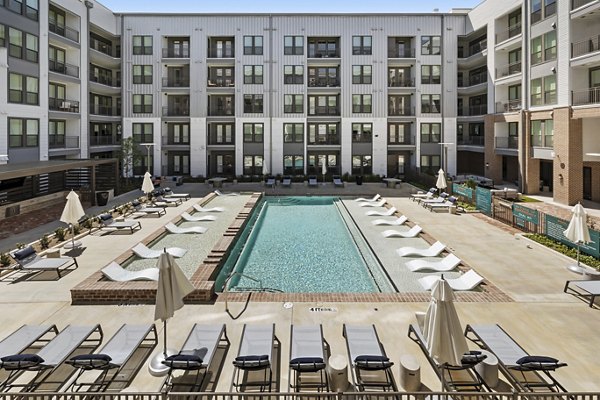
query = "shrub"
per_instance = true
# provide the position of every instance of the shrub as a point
(5, 260)
(60, 233)
(471, 184)
(44, 242)
(76, 229)
(88, 222)
(564, 249)
(20, 246)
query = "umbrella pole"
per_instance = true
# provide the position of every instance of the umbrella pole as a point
(578, 254)
(72, 236)
(165, 339)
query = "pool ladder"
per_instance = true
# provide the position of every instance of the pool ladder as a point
(261, 288)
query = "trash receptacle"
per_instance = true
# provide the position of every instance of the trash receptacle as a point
(359, 179)
(102, 198)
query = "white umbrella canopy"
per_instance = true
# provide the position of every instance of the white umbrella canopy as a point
(173, 286)
(578, 231)
(147, 185)
(443, 332)
(323, 168)
(265, 170)
(441, 180)
(72, 213)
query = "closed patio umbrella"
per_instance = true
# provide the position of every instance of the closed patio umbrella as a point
(71, 215)
(147, 185)
(443, 333)
(441, 180)
(578, 232)
(323, 170)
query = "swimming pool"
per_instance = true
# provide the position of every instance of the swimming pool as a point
(303, 245)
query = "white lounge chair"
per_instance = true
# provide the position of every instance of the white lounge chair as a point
(219, 193)
(115, 272)
(427, 195)
(203, 209)
(443, 205)
(446, 264)
(431, 251)
(387, 213)
(411, 233)
(193, 218)
(312, 181)
(141, 250)
(171, 227)
(270, 182)
(394, 222)
(167, 201)
(29, 262)
(380, 203)
(440, 199)
(286, 181)
(467, 281)
(374, 198)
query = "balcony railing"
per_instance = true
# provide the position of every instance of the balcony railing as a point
(331, 139)
(508, 69)
(63, 142)
(472, 110)
(105, 80)
(473, 80)
(324, 53)
(175, 111)
(401, 111)
(103, 47)
(507, 142)
(63, 31)
(406, 53)
(221, 111)
(406, 82)
(473, 49)
(63, 68)
(104, 141)
(220, 53)
(324, 110)
(471, 141)
(174, 82)
(511, 32)
(170, 141)
(587, 46)
(171, 52)
(575, 4)
(64, 105)
(542, 141)
(221, 82)
(323, 82)
(109, 111)
(511, 105)
(587, 96)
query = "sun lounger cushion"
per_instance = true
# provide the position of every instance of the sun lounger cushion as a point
(21, 361)
(24, 253)
(373, 362)
(90, 361)
(184, 361)
(473, 357)
(105, 217)
(252, 362)
(539, 363)
(307, 364)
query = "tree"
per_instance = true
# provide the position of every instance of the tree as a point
(129, 155)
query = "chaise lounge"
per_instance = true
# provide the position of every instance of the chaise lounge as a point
(113, 226)
(432, 251)
(143, 251)
(308, 358)
(172, 228)
(114, 272)
(29, 262)
(192, 218)
(389, 212)
(411, 233)
(373, 199)
(254, 364)
(467, 281)
(446, 264)
(393, 222)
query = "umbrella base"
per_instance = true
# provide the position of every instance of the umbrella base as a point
(156, 367)
(586, 272)
(71, 245)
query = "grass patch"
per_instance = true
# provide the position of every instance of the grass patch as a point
(564, 249)
(525, 199)
(466, 206)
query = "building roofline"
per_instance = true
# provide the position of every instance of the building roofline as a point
(239, 14)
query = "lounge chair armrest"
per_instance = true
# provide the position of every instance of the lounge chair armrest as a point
(90, 361)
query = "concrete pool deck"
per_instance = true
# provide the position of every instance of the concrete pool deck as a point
(541, 318)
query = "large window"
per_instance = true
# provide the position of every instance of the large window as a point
(56, 133)
(253, 165)
(430, 74)
(253, 103)
(430, 132)
(362, 133)
(323, 105)
(399, 133)
(253, 74)
(543, 90)
(543, 48)
(323, 133)
(2, 35)
(541, 9)
(142, 103)
(179, 133)
(362, 164)
(293, 74)
(293, 133)
(293, 103)
(431, 45)
(430, 103)
(143, 133)
(430, 164)
(223, 134)
(142, 45)
(362, 45)
(30, 9)
(142, 74)
(253, 133)
(253, 45)
(293, 45)
(542, 133)
(21, 45)
(23, 89)
(23, 132)
(362, 74)
(362, 103)
(293, 164)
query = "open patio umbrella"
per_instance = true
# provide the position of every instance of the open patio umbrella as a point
(71, 215)
(441, 180)
(442, 331)
(147, 185)
(578, 232)
(173, 286)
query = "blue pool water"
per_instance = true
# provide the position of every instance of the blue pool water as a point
(303, 245)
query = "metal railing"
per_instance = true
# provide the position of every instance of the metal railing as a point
(63, 142)
(323, 110)
(105, 80)
(221, 111)
(170, 141)
(175, 111)
(329, 53)
(323, 82)
(103, 47)
(63, 105)
(511, 32)
(586, 96)
(472, 141)
(109, 111)
(63, 68)
(330, 139)
(220, 53)
(586, 46)
(575, 4)
(104, 141)
(472, 110)
(406, 53)
(473, 80)
(221, 82)
(406, 82)
(508, 69)
(171, 52)
(507, 142)
(401, 111)
(63, 31)
(473, 49)
(174, 82)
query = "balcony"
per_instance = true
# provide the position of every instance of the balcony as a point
(63, 68)
(175, 111)
(401, 111)
(103, 48)
(221, 111)
(324, 111)
(323, 82)
(324, 140)
(172, 52)
(401, 53)
(587, 46)
(63, 142)
(221, 82)
(546, 141)
(473, 80)
(326, 47)
(170, 141)
(397, 82)
(510, 106)
(473, 49)
(471, 141)
(176, 82)
(105, 80)
(471, 111)
(575, 4)
(511, 32)
(508, 70)
(108, 111)
(586, 96)
(63, 105)
(63, 31)
(507, 142)
(104, 141)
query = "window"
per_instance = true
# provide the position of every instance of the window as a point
(322, 47)
(56, 133)
(293, 74)
(550, 89)
(536, 11)
(179, 163)
(543, 48)
(31, 48)
(430, 103)
(56, 96)
(142, 74)
(430, 74)
(223, 134)
(253, 74)
(362, 45)
(32, 9)
(430, 45)
(362, 133)
(23, 89)
(143, 133)
(430, 132)
(362, 74)
(550, 46)
(293, 103)
(253, 103)
(293, 45)
(293, 133)
(323, 133)
(536, 50)
(142, 103)
(362, 165)
(430, 164)
(253, 133)
(400, 77)
(536, 92)
(323, 105)
(543, 90)
(362, 103)
(23, 132)
(514, 92)
(142, 45)
(293, 165)
(2, 36)
(253, 45)
(399, 105)
(179, 134)
(15, 40)
(323, 77)
(542, 133)
(253, 165)
(399, 133)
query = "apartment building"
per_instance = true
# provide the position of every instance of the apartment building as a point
(508, 90)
